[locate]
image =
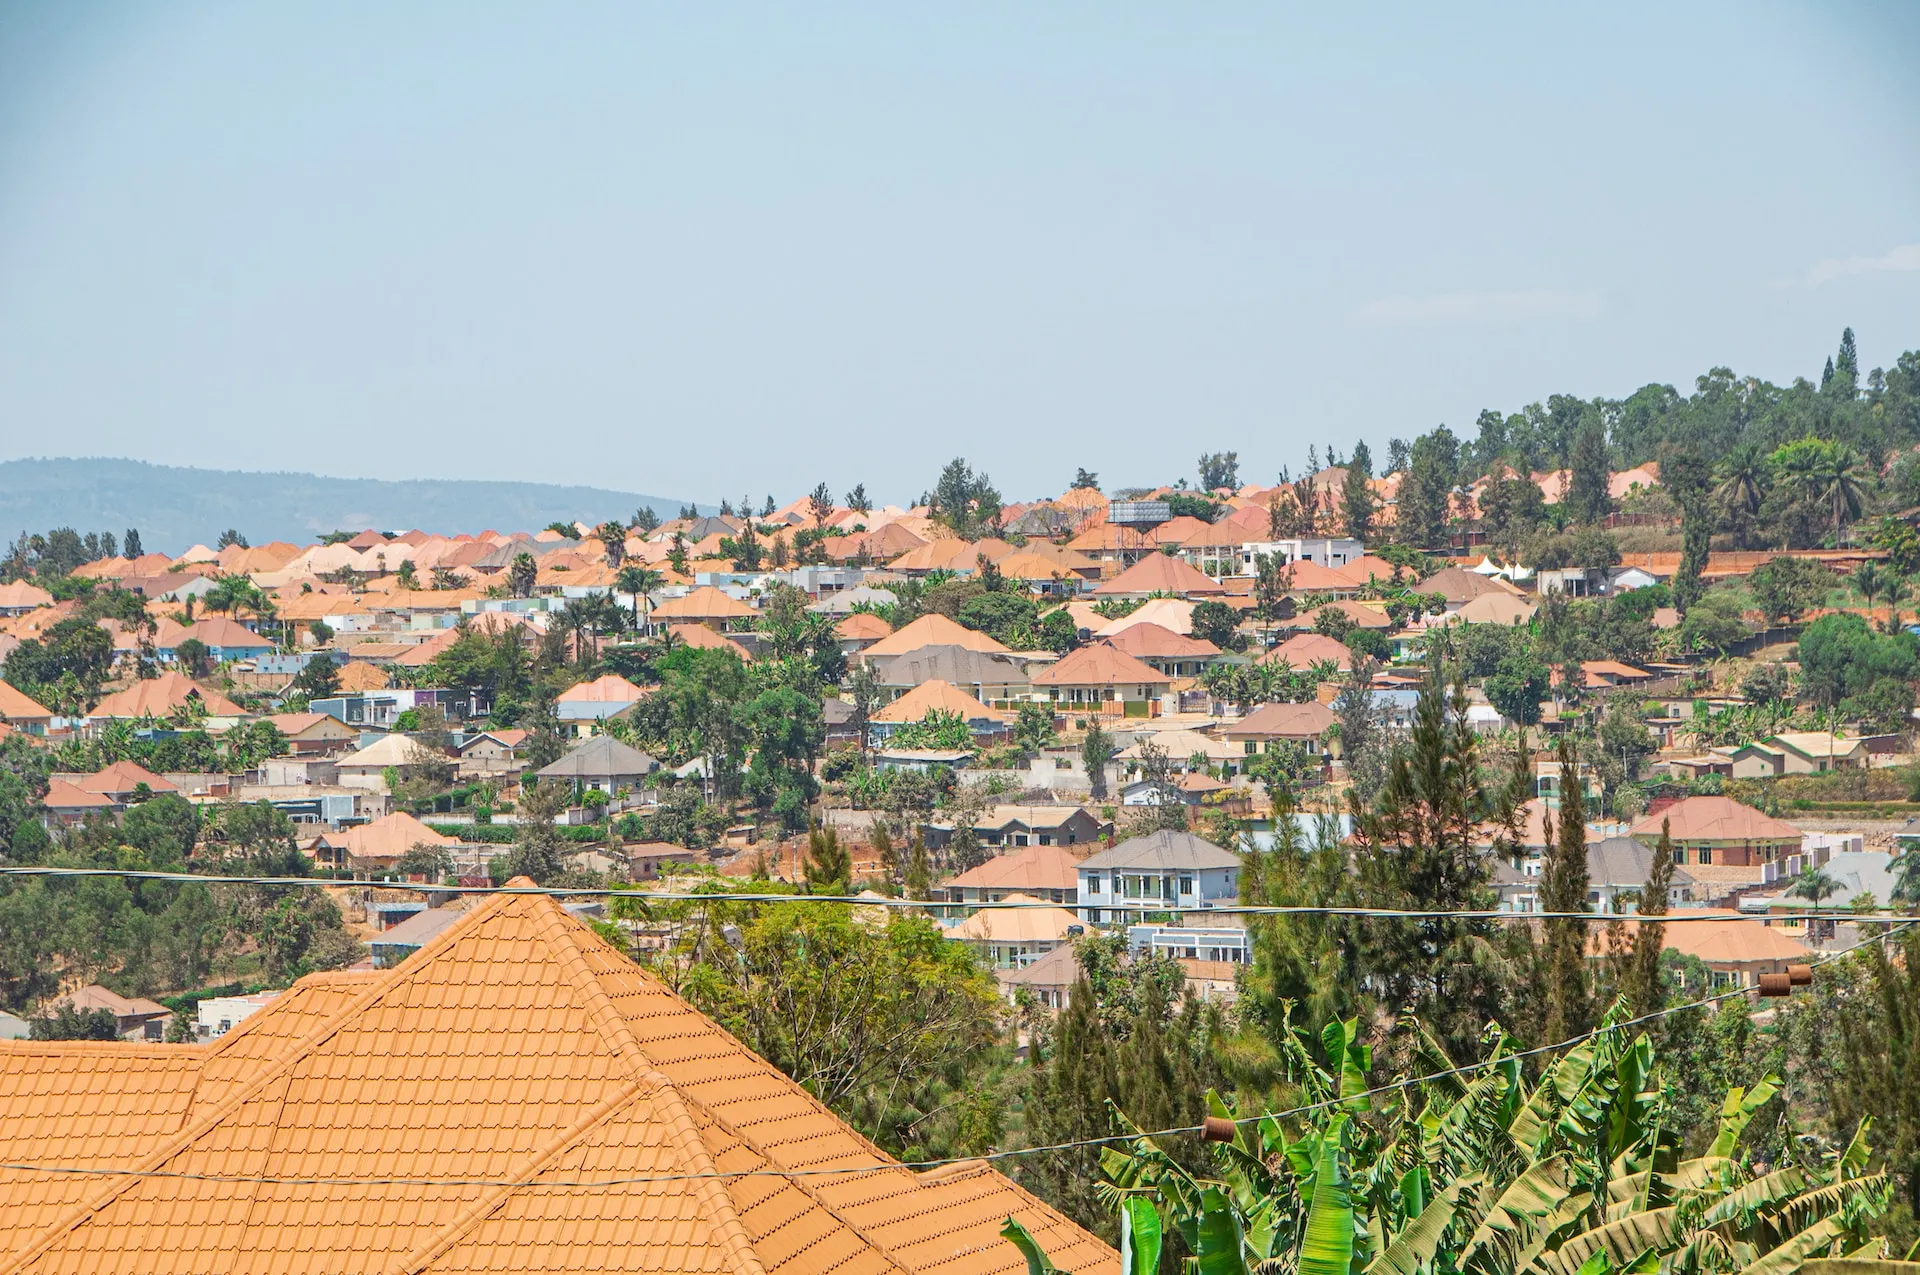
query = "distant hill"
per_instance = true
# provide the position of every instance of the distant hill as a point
(174, 508)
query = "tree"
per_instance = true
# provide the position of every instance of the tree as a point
(820, 503)
(193, 656)
(230, 537)
(1785, 588)
(1033, 727)
(965, 501)
(1644, 990)
(645, 520)
(1588, 470)
(1418, 847)
(1745, 479)
(1218, 623)
(637, 583)
(1426, 492)
(829, 866)
(1096, 750)
(1518, 686)
(1356, 496)
(130, 544)
(919, 871)
(1219, 470)
(67, 1022)
(522, 573)
(318, 678)
(1563, 888)
(537, 849)
(872, 1019)
(612, 535)
(1840, 656)
(1877, 1073)
(1815, 886)
(857, 499)
(1085, 480)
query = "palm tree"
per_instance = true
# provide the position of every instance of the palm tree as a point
(637, 582)
(1906, 877)
(1815, 886)
(1842, 484)
(613, 535)
(1744, 479)
(1870, 580)
(1895, 589)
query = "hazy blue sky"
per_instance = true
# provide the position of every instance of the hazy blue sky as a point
(713, 248)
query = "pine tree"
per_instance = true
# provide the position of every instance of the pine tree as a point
(1356, 497)
(1826, 377)
(829, 866)
(1067, 1102)
(1563, 888)
(919, 870)
(882, 842)
(1643, 987)
(1849, 360)
(131, 544)
(1587, 497)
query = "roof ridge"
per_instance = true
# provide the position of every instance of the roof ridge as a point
(447, 1236)
(115, 1187)
(563, 933)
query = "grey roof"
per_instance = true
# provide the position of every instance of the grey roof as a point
(1862, 872)
(1623, 863)
(1058, 968)
(1163, 849)
(954, 664)
(418, 928)
(600, 757)
(843, 602)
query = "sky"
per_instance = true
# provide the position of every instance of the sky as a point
(705, 250)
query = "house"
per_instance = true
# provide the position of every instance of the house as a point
(701, 638)
(377, 846)
(123, 781)
(1328, 552)
(584, 703)
(1049, 980)
(218, 1015)
(1458, 586)
(516, 1046)
(134, 1017)
(1175, 615)
(1100, 679)
(1017, 934)
(225, 639)
(314, 734)
(997, 678)
(860, 630)
(646, 859)
(22, 713)
(1600, 674)
(1175, 654)
(1016, 825)
(1228, 943)
(1736, 949)
(920, 759)
(708, 607)
(171, 693)
(1722, 843)
(1037, 871)
(1617, 870)
(14, 1027)
(1304, 650)
(1161, 573)
(367, 767)
(940, 696)
(492, 752)
(1193, 788)
(1177, 871)
(1305, 724)
(602, 763)
(932, 629)
(19, 597)
(67, 804)
(1798, 753)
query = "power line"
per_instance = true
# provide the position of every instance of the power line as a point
(881, 901)
(921, 1166)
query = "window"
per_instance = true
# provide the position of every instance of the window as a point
(1186, 885)
(1093, 883)
(1705, 855)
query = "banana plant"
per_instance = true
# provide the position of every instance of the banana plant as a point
(1474, 1171)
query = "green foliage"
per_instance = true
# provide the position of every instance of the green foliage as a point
(1218, 623)
(1181, 504)
(1785, 588)
(939, 729)
(1219, 470)
(65, 1022)
(1517, 686)
(1840, 656)
(965, 501)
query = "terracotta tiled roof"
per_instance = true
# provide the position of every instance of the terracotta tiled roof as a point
(931, 630)
(361, 676)
(19, 593)
(162, 696)
(609, 688)
(942, 696)
(1738, 940)
(1161, 573)
(700, 637)
(1028, 868)
(1310, 577)
(862, 626)
(1283, 721)
(1716, 819)
(1017, 925)
(65, 795)
(15, 705)
(1153, 641)
(125, 776)
(515, 1048)
(1303, 650)
(704, 603)
(1100, 665)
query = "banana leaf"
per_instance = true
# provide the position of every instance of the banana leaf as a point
(1351, 1060)
(1843, 1200)
(1216, 1242)
(1741, 1205)
(1037, 1263)
(1788, 1256)
(1738, 1110)
(1707, 1251)
(1622, 1241)
(1517, 1218)
(1139, 1237)
(1853, 1161)
(1326, 1247)
(1413, 1250)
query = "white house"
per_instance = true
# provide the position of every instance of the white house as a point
(1170, 870)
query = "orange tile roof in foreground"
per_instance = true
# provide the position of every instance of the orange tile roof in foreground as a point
(469, 1110)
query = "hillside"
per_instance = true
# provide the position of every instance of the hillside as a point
(176, 507)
